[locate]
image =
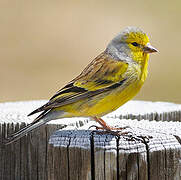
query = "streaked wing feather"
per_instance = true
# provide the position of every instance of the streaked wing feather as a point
(101, 75)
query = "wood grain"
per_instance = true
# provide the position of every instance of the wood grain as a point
(125, 158)
(73, 152)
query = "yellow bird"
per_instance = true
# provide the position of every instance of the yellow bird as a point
(110, 80)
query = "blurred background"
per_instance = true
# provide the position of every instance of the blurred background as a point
(44, 44)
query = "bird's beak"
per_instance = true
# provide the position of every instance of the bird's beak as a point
(149, 49)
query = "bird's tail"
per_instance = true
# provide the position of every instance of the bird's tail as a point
(39, 121)
(22, 132)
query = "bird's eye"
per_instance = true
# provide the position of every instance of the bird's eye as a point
(135, 44)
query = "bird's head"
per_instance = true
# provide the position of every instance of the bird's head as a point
(130, 44)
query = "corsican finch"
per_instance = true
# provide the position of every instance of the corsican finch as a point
(110, 80)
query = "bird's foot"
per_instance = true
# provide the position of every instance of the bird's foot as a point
(105, 126)
(110, 130)
(128, 135)
(118, 132)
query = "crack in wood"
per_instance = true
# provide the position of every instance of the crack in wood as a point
(147, 154)
(68, 163)
(117, 144)
(178, 138)
(92, 157)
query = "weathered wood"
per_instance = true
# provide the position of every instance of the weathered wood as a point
(83, 154)
(157, 159)
(158, 111)
(105, 156)
(72, 161)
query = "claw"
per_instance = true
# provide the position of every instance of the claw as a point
(93, 126)
(120, 128)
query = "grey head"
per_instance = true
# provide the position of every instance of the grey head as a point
(118, 47)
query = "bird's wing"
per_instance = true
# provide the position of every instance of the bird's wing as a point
(101, 75)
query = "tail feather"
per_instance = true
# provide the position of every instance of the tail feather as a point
(23, 132)
(42, 119)
(42, 108)
(37, 119)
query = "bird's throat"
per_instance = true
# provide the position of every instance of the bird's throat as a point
(144, 67)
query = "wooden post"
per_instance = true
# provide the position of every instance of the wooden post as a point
(82, 154)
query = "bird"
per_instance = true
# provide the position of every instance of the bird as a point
(114, 77)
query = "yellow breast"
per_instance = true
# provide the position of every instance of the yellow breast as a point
(110, 101)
